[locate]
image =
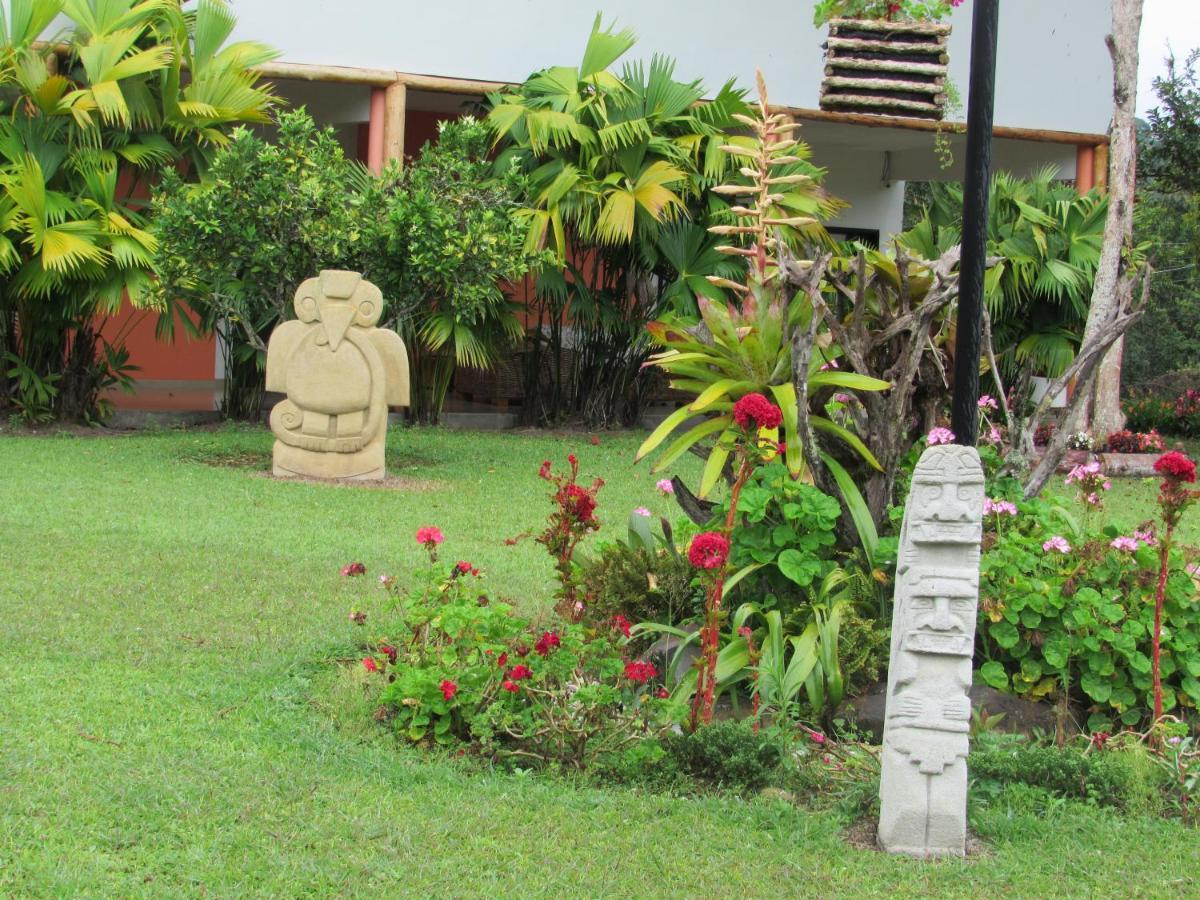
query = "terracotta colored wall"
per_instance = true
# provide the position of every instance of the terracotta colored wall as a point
(176, 375)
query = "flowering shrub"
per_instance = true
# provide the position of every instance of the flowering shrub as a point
(1126, 441)
(455, 665)
(1081, 440)
(1150, 413)
(578, 701)
(1070, 615)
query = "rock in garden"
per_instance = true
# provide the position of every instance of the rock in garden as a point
(340, 374)
(923, 787)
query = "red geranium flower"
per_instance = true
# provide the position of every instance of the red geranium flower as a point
(502, 660)
(622, 624)
(640, 672)
(511, 686)
(429, 536)
(662, 693)
(757, 410)
(546, 643)
(369, 664)
(520, 672)
(544, 471)
(449, 689)
(1176, 465)
(708, 550)
(389, 652)
(354, 568)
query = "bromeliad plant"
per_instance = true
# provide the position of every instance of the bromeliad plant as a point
(733, 353)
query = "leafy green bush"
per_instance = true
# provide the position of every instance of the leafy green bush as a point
(235, 246)
(640, 583)
(1062, 609)
(1146, 412)
(726, 754)
(1126, 779)
(789, 529)
(448, 236)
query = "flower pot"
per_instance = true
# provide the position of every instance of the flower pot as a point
(886, 68)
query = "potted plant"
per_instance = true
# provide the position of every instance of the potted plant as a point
(886, 58)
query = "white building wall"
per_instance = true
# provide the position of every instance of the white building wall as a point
(1053, 68)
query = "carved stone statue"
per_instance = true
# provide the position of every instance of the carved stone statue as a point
(923, 788)
(340, 374)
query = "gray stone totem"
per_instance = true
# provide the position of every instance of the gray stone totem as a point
(923, 789)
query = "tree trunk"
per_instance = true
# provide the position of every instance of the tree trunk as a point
(1112, 290)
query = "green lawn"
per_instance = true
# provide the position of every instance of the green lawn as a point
(166, 725)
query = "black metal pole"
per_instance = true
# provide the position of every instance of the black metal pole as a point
(964, 414)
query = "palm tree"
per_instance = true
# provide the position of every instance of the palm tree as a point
(1047, 240)
(616, 165)
(86, 118)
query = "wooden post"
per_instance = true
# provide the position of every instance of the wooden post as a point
(1100, 168)
(395, 102)
(375, 132)
(1085, 169)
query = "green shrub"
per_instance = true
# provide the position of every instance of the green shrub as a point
(726, 754)
(642, 584)
(787, 527)
(1145, 412)
(863, 648)
(1125, 779)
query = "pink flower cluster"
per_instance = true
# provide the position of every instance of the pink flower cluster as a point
(1059, 543)
(1091, 481)
(987, 401)
(998, 507)
(940, 435)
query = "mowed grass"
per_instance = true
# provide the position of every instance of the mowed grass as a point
(167, 637)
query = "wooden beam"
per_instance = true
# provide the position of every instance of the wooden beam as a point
(336, 74)
(911, 124)
(395, 104)
(443, 85)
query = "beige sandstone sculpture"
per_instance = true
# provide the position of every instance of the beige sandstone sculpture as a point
(340, 374)
(923, 787)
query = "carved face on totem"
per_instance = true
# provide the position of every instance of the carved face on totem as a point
(946, 500)
(338, 300)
